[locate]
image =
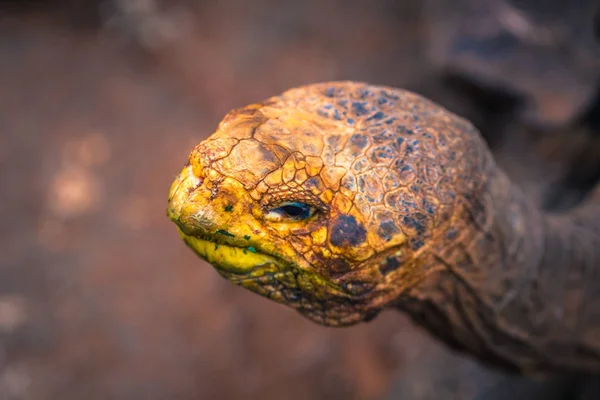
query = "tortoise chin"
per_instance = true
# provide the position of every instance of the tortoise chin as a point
(310, 294)
(339, 315)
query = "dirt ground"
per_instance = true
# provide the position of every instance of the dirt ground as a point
(99, 299)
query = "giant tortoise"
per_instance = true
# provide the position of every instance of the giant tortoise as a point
(342, 199)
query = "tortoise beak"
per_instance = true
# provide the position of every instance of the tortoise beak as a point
(190, 206)
(179, 194)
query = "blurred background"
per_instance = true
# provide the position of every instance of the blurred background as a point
(100, 103)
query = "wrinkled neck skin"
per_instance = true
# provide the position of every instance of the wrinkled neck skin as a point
(520, 288)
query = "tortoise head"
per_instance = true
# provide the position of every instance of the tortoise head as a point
(327, 197)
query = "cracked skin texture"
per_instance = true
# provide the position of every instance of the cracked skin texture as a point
(408, 211)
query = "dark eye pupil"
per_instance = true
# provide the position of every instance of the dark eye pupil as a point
(296, 210)
(293, 210)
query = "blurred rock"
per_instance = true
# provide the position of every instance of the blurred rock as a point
(547, 53)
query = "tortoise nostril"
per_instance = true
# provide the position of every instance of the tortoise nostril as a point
(197, 183)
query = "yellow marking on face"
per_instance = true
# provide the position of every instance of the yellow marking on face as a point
(319, 237)
(231, 259)
(274, 179)
(313, 165)
(289, 170)
(332, 175)
(301, 176)
(341, 203)
(178, 194)
(299, 161)
(327, 196)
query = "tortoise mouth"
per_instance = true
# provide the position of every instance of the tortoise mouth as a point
(235, 262)
(248, 267)
(312, 295)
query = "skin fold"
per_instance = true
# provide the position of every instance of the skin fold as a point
(342, 199)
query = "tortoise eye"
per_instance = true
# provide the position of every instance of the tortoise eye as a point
(294, 211)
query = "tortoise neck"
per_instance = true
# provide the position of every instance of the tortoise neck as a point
(516, 290)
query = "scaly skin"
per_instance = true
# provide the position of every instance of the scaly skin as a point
(411, 212)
